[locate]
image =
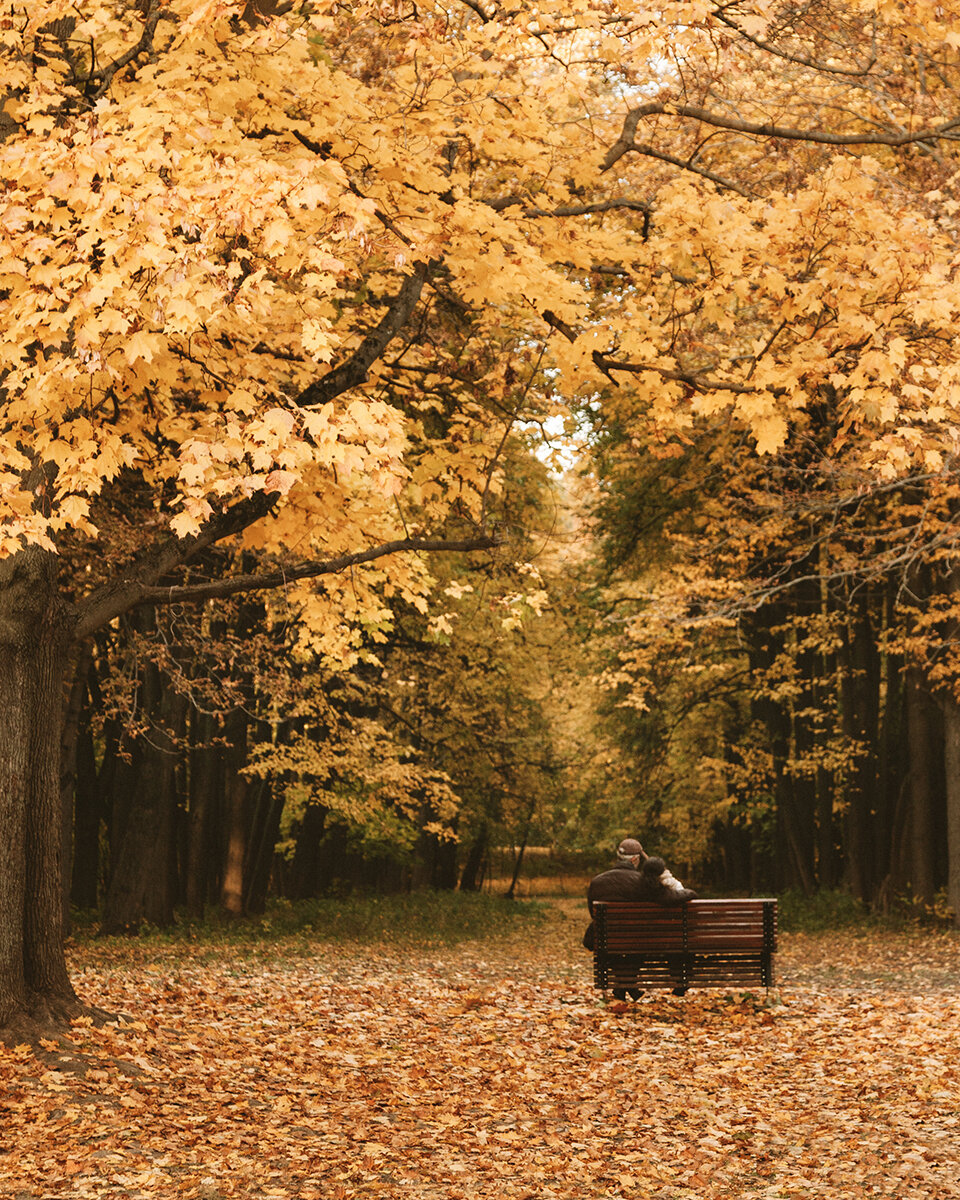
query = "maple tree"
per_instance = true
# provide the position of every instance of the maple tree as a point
(223, 228)
(226, 734)
(229, 729)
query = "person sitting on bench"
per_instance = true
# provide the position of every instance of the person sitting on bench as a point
(635, 876)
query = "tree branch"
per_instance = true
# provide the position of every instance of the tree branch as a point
(103, 76)
(502, 203)
(699, 383)
(625, 142)
(192, 593)
(480, 10)
(123, 593)
(608, 365)
(352, 372)
(801, 59)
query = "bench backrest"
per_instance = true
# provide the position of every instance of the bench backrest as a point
(698, 926)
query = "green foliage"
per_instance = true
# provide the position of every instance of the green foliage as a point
(414, 919)
(833, 910)
(824, 910)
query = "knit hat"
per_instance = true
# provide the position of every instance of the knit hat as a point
(629, 848)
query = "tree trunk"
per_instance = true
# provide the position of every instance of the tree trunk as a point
(951, 739)
(265, 830)
(33, 641)
(69, 757)
(235, 799)
(206, 775)
(806, 732)
(472, 876)
(891, 755)
(921, 788)
(859, 692)
(87, 815)
(142, 881)
(525, 837)
(766, 645)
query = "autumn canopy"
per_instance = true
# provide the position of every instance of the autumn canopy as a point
(291, 290)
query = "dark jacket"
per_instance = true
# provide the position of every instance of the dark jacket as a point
(625, 882)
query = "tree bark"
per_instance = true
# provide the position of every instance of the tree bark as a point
(921, 790)
(890, 755)
(206, 781)
(471, 878)
(87, 816)
(524, 838)
(261, 845)
(69, 753)
(34, 628)
(951, 730)
(859, 692)
(142, 882)
(235, 798)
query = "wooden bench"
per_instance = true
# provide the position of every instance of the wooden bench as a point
(702, 943)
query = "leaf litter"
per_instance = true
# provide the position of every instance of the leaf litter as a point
(492, 1069)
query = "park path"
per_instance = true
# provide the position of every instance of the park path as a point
(490, 1070)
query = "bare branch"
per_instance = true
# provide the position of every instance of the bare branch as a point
(606, 364)
(700, 383)
(481, 12)
(582, 210)
(103, 76)
(687, 164)
(571, 210)
(555, 322)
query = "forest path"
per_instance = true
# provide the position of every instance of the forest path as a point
(491, 1069)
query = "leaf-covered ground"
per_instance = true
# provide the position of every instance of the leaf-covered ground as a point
(492, 1070)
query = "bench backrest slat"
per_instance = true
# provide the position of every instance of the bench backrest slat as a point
(698, 925)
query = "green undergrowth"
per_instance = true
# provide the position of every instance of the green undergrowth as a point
(826, 911)
(820, 912)
(414, 919)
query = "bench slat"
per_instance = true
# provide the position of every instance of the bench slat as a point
(702, 943)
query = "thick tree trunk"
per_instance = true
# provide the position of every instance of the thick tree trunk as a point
(69, 754)
(33, 639)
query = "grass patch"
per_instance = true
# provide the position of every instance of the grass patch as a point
(825, 911)
(411, 919)
(821, 912)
